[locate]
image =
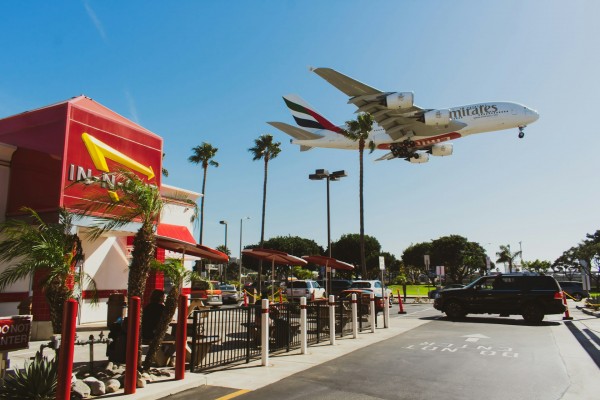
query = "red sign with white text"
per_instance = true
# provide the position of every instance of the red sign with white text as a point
(14, 332)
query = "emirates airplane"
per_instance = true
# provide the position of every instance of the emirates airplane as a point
(404, 129)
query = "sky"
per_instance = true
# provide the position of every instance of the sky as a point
(216, 71)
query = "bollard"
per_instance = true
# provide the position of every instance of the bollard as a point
(567, 315)
(386, 312)
(67, 347)
(245, 299)
(181, 339)
(354, 316)
(303, 327)
(264, 333)
(400, 305)
(133, 337)
(332, 320)
(372, 312)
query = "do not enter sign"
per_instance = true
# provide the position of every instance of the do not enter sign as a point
(14, 333)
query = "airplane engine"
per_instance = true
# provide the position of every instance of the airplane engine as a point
(436, 117)
(422, 158)
(401, 100)
(440, 150)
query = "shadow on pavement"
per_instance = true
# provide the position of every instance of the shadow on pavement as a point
(593, 352)
(490, 320)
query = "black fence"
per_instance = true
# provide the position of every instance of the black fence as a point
(222, 336)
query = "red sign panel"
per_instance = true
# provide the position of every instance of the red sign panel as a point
(14, 333)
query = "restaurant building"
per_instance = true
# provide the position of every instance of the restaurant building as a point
(43, 153)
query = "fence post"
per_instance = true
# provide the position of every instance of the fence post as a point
(133, 335)
(386, 311)
(332, 320)
(264, 332)
(354, 316)
(303, 327)
(67, 346)
(372, 311)
(181, 339)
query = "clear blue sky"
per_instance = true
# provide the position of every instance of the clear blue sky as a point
(195, 71)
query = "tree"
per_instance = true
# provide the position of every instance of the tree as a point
(506, 256)
(203, 155)
(414, 260)
(264, 149)
(359, 130)
(175, 270)
(459, 257)
(50, 249)
(537, 265)
(348, 249)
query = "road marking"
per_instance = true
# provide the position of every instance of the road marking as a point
(474, 337)
(234, 394)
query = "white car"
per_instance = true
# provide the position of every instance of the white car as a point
(373, 285)
(304, 288)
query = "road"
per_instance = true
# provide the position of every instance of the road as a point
(479, 358)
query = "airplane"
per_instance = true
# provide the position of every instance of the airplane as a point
(406, 130)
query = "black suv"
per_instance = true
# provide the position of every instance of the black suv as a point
(574, 289)
(527, 295)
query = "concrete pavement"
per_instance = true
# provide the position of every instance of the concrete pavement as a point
(577, 341)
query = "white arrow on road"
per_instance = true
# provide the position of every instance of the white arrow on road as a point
(474, 337)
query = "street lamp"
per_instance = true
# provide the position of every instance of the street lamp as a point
(241, 229)
(319, 175)
(224, 223)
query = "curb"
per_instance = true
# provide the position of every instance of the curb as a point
(588, 311)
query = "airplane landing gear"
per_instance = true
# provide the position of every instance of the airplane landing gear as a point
(521, 133)
(403, 149)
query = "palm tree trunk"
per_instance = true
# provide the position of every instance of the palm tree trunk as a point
(202, 204)
(163, 326)
(363, 263)
(262, 227)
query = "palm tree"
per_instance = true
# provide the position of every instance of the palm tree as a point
(50, 249)
(265, 149)
(358, 130)
(203, 155)
(175, 270)
(506, 256)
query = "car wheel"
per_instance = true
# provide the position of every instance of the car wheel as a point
(577, 296)
(532, 313)
(455, 310)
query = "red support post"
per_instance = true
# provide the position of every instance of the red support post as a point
(67, 348)
(181, 339)
(133, 338)
(245, 299)
(400, 305)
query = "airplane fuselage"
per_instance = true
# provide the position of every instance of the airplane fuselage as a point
(477, 118)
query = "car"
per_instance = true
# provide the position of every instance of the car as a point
(574, 289)
(304, 288)
(365, 296)
(207, 291)
(337, 286)
(532, 296)
(434, 292)
(374, 285)
(230, 294)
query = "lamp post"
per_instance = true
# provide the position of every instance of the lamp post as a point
(224, 223)
(319, 175)
(241, 229)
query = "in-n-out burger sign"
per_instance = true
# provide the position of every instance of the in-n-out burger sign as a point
(99, 152)
(14, 333)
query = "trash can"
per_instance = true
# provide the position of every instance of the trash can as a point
(116, 304)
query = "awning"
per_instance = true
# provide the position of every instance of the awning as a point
(275, 256)
(329, 262)
(179, 239)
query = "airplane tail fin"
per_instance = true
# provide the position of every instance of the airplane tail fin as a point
(306, 116)
(295, 132)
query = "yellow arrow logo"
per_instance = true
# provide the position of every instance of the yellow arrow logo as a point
(100, 151)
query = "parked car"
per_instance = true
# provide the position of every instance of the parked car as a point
(574, 289)
(230, 294)
(373, 285)
(531, 296)
(304, 288)
(337, 286)
(432, 293)
(365, 296)
(207, 291)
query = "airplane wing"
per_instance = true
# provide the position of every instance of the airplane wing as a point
(368, 99)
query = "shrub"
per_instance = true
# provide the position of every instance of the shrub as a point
(37, 381)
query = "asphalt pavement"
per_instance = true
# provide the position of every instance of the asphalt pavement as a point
(579, 346)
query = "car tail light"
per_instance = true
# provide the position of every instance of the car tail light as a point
(558, 296)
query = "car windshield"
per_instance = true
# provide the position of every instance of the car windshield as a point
(228, 287)
(361, 285)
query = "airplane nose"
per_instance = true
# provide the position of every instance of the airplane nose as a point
(533, 115)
